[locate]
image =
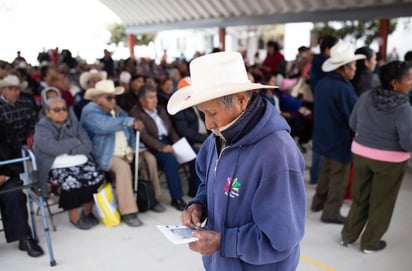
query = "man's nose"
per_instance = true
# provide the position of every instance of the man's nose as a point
(208, 124)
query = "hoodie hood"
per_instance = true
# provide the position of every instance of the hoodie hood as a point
(253, 125)
(385, 100)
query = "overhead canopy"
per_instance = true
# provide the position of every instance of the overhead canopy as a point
(144, 16)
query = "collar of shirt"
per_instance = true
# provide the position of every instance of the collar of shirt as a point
(161, 127)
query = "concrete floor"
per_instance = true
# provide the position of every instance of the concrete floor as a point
(145, 248)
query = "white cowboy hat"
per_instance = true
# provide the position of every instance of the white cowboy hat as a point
(86, 76)
(212, 76)
(125, 77)
(103, 87)
(10, 80)
(340, 54)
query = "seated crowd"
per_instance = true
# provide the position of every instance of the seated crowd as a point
(90, 111)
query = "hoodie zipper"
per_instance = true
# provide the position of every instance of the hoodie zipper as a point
(218, 158)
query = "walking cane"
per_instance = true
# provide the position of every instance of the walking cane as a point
(136, 162)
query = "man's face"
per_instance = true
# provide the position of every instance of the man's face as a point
(349, 70)
(106, 101)
(11, 94)
(218, 115)
(91, 83)
(136, 84)
(149, 102)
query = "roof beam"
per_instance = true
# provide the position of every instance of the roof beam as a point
(211, 9)
(245, 7)
(259, 7)
(148, 11)
(219, 5)
(381, 11)
(200, 9)
(191, 10)
(232, 7)
(270, 9)
(184, 11)
(164, 13)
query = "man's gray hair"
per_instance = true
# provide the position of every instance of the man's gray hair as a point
(143, 90)
(228, 99)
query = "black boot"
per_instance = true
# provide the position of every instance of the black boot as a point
(31, 247)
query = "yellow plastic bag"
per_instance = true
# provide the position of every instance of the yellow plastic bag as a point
(105, 206)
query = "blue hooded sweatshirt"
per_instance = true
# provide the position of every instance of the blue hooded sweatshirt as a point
(254, 195)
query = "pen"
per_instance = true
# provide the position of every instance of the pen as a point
(198, 228)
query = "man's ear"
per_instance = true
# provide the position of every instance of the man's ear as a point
(243, 100)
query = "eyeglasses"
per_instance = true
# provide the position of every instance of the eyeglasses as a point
(59, 109)
(109, 98)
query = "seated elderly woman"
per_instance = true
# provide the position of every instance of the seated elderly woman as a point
(59, 134)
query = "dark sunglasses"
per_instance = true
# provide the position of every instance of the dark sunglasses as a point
(59, 109)
(109, 98)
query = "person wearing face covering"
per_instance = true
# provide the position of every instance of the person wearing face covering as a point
(250, 208)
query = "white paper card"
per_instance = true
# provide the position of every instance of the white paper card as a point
(177, 234)
(183, 151)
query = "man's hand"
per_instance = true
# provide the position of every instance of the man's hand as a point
(3, 179)
(208, 243)
(167, 148)
(138, 124)
(191, 216)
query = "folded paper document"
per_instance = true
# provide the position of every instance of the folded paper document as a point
(177, 234)
(183, 151)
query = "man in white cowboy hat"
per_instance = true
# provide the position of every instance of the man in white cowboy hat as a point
(111, 131)
(113, 137)
(87, 80)
(334, 100)
(252, 194)
(17, 110)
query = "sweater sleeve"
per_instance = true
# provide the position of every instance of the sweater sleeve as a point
(404, 126)
(353, 120)
(202, 163)
(101, 123)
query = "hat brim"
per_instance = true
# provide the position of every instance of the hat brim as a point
(88, 75)
(331, 65)
(93, 92)
(4, 84)
(189, 96)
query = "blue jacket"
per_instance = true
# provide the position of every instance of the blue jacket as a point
(102, 127)
(254, 195)
(335, 98)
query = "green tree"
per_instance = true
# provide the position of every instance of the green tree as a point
(118, 34)
(366, 30)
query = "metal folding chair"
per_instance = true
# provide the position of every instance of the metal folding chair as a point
(29, 186)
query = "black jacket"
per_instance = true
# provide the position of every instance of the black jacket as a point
(186, 125)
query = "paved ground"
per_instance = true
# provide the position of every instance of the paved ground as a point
(144, 248)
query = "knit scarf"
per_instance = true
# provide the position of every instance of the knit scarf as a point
(246, 122)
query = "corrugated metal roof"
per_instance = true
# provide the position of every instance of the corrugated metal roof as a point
(141, 16)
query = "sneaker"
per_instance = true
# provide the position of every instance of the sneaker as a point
(381, 246)
(132, 220)
(345, 244)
